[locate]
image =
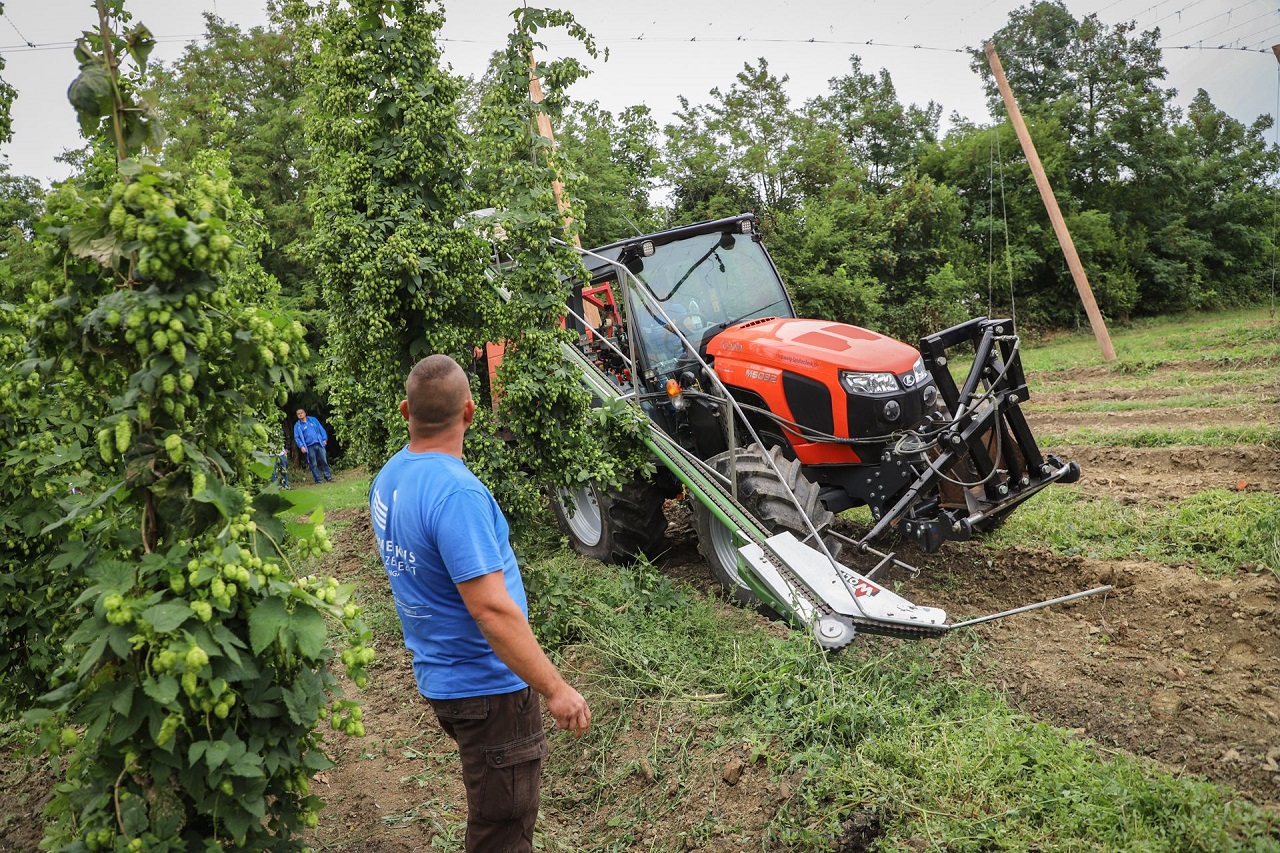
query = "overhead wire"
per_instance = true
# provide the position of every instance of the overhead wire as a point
(1241, 24)
(25, 40)
(1270, 34)
(1212, 18)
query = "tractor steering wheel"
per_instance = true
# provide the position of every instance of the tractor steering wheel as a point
(693, 320)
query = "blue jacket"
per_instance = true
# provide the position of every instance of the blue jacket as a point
(309, 432)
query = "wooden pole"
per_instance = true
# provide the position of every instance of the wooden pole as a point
(1051, 205)
(544, 128)
(589, 312)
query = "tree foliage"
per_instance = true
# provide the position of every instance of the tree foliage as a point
(613, 166)
(246, 86)
(1130, 172)
(399, 279)
(21, 204)
(157, 633)
(877, 132)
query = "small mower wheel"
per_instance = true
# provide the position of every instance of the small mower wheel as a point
(613, 526)
(769, 500)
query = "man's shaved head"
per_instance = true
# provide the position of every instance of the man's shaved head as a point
(437, 389)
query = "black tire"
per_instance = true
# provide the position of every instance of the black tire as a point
(614, 526)
(769, 500)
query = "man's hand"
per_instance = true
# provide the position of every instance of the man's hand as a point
(570, 710)
(504, 625)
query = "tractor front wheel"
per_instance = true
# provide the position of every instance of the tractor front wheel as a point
(768, 499)
(613, 525)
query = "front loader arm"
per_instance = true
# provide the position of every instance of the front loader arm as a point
(984, 461)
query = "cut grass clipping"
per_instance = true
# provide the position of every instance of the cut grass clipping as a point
(876, 739)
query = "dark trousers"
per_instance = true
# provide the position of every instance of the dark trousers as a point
(318, 459)
(281, 472)
(502, 744)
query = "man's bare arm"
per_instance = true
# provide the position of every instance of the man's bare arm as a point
(505, 627)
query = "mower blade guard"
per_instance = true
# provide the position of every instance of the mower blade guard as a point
(832, 598)
(987, 460)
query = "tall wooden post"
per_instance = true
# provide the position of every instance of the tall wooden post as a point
(1051, 205)
(590, 313)
(544, 128)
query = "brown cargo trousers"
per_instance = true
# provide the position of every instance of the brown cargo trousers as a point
(502, 744)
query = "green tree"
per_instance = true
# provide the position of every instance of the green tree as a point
(878, 133)
(21, 204)
(877, 259)
(696, 167)
(1034, 49)
(399, 279)
(1212, 236)
(745, 149)
(246, 87)
(615, 165)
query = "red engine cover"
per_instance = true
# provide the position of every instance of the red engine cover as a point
(753, 356)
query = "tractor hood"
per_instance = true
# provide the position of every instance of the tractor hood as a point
(807, 346)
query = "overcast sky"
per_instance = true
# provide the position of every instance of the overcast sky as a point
(660, 49)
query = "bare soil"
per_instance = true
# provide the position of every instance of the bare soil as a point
(1170, 665)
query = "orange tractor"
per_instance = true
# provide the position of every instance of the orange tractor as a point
(773, 424)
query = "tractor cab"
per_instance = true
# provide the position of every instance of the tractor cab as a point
(699, 280)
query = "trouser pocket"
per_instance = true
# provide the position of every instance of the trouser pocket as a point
(512, 775)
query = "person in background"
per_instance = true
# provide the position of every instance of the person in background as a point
(281, 472)
(311, 438)
(463, 610)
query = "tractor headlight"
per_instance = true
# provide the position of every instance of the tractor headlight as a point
(919, 375)
(868, 383)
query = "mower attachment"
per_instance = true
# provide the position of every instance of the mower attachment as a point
(835, 599)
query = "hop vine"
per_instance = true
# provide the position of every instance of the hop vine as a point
(163, 637)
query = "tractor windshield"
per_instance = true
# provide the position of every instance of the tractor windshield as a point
(716, 280)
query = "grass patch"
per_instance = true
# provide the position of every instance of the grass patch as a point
(1215, 436)
(1217, 530)
(349, 489)
(1221, 337)
(876, 735)
(1254, 379)
(1182, 401)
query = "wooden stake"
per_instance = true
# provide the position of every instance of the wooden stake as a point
(544, 128)
(1051, 205)
(589, 312)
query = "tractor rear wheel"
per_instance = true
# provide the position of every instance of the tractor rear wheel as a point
(614, 525)
(769, 500)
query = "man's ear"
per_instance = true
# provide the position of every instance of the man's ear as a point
(404, 409)
(469, 412)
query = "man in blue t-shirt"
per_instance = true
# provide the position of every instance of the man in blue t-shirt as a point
(310, 436)
(461, 601)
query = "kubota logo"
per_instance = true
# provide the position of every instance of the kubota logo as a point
(761, 375)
